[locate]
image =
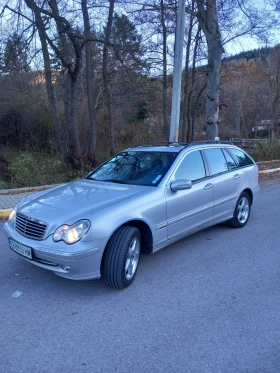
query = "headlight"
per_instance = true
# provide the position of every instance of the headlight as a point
(73, 233)
(12, 216)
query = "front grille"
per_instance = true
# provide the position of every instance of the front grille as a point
(30, 227)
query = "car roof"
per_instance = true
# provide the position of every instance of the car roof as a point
(177, 147)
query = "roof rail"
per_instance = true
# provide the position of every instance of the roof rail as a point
(208, 142)
(179, 144)
(161, 143)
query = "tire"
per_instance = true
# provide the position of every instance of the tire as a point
(121, 257)
(242, 211)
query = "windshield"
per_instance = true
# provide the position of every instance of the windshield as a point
(132, 167)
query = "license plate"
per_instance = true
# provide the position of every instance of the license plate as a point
(21, 249)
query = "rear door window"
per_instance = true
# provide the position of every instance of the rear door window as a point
(216, 160)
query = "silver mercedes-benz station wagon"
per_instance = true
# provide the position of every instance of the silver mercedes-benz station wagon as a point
(139, 201)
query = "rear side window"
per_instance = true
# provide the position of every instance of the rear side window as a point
(242, 158)
(191, 168)
(216, 161)
(230, 161)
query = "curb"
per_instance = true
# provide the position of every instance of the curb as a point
(269, 171)
(4, 214)
(27, 189)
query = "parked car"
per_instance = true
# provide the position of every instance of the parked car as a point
(141, 200)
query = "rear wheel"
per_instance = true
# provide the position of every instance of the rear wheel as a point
(121, 257)
(242, 211)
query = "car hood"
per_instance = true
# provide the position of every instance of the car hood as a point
(78, 200)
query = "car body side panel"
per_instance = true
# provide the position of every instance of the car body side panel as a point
(149, 208)
(227, 188)
(187, 209)
(250, 179)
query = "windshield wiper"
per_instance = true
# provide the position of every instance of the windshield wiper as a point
(116, 181)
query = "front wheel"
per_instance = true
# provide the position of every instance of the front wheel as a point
(121, 257)
(242, 211)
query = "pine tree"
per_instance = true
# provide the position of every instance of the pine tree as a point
(127, 42)
(15, 58)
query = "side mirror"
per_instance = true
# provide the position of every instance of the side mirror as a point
(181, 184)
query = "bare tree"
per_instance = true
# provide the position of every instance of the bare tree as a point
(157, 18)
(274, 88)
(70, 55)
(193, 79)
(232, 18)
(208, 21)
(89, 82)
(48, 75)
(164, 69)
(185, 124)
(105, 77)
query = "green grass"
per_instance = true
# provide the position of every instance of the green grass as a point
(32, 169)
(27, 169)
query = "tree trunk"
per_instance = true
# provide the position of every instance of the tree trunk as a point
(48, 76)
(106, 80)
(238, 119)
(75, 146)
(185, 123)
(71, 51)
(242, 119)
(89, 80)
(194, 111)
(190, 117)
(274, 88)
(208, 21)
(164, 71)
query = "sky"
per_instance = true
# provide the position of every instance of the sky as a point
(250, 42)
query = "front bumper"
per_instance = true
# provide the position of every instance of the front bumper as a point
(80, 261)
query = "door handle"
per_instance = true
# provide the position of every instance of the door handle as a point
(237, 176)
(208, 186)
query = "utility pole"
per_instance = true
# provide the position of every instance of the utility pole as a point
(177, 75)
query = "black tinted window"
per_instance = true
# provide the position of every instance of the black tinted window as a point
(242, 158)
(216, 160)
(191, 168)
(230, 161)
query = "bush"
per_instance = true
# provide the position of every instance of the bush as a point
(3, 185)
(267, 151)
(27, 170)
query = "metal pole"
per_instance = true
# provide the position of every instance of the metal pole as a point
(177, 76)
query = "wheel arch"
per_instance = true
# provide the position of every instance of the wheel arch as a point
(146, 234)
(250, 194)
(145, 231)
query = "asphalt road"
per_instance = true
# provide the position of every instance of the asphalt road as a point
(210, 303)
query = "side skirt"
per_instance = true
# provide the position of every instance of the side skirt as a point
(190, 232)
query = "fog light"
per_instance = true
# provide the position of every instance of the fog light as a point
(65, 268)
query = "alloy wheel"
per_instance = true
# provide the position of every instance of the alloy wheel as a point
(132, 258)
